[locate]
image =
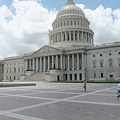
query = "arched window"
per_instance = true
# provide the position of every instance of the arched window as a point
(75, 76)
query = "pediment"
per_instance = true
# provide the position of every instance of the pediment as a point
(47, 49)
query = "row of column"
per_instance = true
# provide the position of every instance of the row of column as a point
(67, 62)
(71, 36)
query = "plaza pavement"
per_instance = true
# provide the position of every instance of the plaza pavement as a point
(60, 101)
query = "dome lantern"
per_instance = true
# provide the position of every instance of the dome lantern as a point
(70, 2)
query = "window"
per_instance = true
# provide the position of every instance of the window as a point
(75, 36)
(93, 55)
(94, 75)
(101, 64)
(18, 69)
(101, 75)
(110, 62)
(67, 22)
(74, 22)
(75, 76)
(119, 62)
(110, 54)
(100, 54)
(14, 70)
(94, 64)
(71, 36)
(64, 37)
(118, 53)
(7, 70)
(68, 36)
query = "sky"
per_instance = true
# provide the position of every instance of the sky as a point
(24, 24)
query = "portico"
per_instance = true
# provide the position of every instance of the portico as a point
(68, 63)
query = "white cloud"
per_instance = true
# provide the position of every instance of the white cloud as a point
(24, 26)
(104, 23)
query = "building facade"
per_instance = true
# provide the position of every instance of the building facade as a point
(1, 70)
(71, 54)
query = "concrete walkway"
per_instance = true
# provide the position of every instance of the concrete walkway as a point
(52, 101)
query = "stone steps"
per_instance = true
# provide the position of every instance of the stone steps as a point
(38, 76)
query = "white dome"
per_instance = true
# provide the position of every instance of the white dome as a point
(71, 27)
(70, 8)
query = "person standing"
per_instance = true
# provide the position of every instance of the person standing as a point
(85, 84)
(118, 89)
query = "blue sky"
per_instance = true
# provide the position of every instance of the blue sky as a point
(24, 24)
(91, 4)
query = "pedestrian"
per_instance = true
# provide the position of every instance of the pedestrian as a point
(118, 90)
(85, 84)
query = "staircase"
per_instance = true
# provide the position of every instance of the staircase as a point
(37, 76)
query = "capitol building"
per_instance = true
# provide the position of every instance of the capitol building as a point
(70, 56)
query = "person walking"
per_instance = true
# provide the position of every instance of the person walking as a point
(118, 90)
(85, 84)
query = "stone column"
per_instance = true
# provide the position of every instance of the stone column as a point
(68, 62)
(26, 65)
(52, 62)
(78, 66)
(61, 60)
(64, 62)
(44, 64)
(57, 61)
(40, 63)
(73, 77)
(69, 36)
(48, 63)
(83, 59)
(73, 35)
(73, 64)
(36, 64)
(65, 36)
(68, 77)
(88, 38)
(57, 37)
(78, 36)
(61, 37)
(29, 64)
(33, 64)
(78, 77)
(82, 36)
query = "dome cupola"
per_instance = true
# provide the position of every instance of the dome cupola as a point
(69, 9)
(70, 27)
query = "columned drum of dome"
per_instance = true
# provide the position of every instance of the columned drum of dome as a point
(71, 27)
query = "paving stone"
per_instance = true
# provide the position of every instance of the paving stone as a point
(74, 111)
(8, 103)
(49, 101)
(2, 117)
(52, 95)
